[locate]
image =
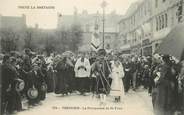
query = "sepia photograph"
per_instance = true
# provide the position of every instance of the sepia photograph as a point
(91, 57)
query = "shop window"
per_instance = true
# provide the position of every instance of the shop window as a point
(179, 12)
(163, 22)
(160, 23)
(157, 24)
(166, 20)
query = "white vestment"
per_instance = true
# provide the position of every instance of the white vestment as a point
(117, 87)
(82, 69)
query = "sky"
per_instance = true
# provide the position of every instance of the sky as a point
(47, 18)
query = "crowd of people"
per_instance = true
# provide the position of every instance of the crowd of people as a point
(30, 77)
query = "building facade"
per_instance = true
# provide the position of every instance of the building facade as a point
(165, 16)
(147, 22)
(88, 23)
(13, 22)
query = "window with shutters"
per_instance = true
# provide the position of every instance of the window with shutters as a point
(160, 23)
(163, 22)
(166, 20)
(157, 23)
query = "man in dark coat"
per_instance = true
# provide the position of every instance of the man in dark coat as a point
(11, 101)
(92, 76)
(101, 69)
(128, 75)
(5, 82)
(134, 70)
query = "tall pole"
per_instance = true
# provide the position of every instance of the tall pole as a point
(103, 5)
(103, 27)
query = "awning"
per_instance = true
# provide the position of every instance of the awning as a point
(146, 28)
(161, 34)
(173, 43)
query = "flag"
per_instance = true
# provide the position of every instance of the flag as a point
(95, 41)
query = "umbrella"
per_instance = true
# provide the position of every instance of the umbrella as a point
(173, 43)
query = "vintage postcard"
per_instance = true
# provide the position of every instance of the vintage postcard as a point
(92, 57)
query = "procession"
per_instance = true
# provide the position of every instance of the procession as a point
(30, 77)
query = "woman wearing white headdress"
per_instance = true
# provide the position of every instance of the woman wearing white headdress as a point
(117, 87)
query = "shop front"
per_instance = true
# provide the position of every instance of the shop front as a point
(147, 47)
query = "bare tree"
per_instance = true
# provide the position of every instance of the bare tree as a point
(9, 40)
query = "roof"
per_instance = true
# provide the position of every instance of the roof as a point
(111, 20)
(133, 8)
(12, 22)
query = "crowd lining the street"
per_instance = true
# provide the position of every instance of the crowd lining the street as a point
(29, 77)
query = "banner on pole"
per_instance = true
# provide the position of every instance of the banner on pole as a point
(95, 41)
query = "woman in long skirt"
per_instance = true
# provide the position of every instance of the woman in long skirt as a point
(117, 87)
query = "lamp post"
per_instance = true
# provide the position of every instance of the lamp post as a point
(103, 5)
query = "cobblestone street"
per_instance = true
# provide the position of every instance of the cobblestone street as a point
(138, 102)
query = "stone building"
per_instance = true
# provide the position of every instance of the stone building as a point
(166, 14)
(148, 21)
(14, 22)
(88, 23)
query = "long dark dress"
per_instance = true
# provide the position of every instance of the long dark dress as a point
(50, 84)
(31, 78)
(62, 80)
(43, 78)
(26, 67)
(38, 83)
(70, 78)
(163, 94)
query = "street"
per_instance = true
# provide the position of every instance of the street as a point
(138, 103)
